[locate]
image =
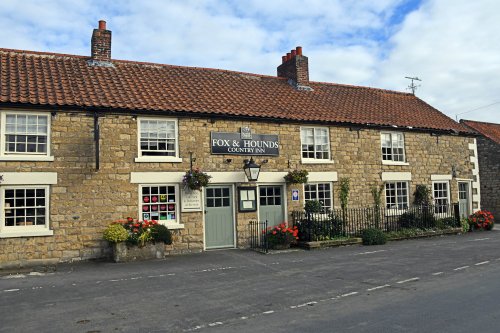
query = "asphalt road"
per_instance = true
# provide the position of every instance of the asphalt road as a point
(444, 284)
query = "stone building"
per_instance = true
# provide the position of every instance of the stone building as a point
(488, 149)
(88, 140)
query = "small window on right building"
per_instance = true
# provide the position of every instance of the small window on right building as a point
(393, 146)
(441, 196)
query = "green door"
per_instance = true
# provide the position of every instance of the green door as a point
(219, 223)
(463, 199)
(271, 204)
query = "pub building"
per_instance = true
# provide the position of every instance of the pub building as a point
(87, 140)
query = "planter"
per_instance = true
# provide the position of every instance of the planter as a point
(125, 253)
(280, 247)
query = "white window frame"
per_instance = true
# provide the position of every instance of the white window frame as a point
(397, 210)
(317, 192)
(308, 160)
(391, 161)
(8, 156)
(25, 231)
(170, 224)
(434, 198)
(146, 158)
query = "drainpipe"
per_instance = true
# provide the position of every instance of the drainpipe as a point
(96, 140)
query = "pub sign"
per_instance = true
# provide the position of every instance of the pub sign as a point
(244, 143)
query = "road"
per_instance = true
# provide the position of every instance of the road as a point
(442, 284)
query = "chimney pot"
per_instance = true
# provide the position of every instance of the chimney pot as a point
(299, 50)
(294, 53)
(283, 59)
(101, 44)
(295, 68)
(288, 56)
(102, 25)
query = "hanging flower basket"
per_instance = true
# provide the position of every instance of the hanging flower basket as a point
(296, 177)
(195, 179)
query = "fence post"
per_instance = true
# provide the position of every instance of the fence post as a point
(456, 210)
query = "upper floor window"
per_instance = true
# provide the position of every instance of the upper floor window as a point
(321, 192)
(396, 195)
(158, 140)
(315, 143)
(393, 147)
(25, 136)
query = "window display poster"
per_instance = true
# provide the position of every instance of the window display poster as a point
(191, 200)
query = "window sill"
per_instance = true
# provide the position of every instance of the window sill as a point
(174, 226)
(38, 233)
(394, 163)
(313, 161)
(162, 159)
(37, 158)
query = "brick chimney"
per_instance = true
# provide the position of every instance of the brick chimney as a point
(295, 68)
(101, 46)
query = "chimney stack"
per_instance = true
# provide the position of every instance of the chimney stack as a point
(101, 45)
(295, 68)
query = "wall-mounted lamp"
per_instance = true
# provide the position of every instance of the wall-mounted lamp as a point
(251, 170)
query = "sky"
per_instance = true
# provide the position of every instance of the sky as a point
(453, 46)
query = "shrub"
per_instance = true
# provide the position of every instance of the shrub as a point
(482, 220)
(417, 219)
(464, 223)
(313, 206)
(161, 234)
(281, 235)
(373, 237)
(115, 233)
(447, 222)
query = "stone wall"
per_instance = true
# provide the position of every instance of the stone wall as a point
(489, 173)
(86, 200)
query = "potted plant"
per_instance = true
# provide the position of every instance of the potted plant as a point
(481, 220)
(195, 179)
(132, 239)
(281, 236)
(296, 177)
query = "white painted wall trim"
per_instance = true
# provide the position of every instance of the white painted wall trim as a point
(440, 177)
(228, 177)
(395, 176)
(272, 177)
(156, 177)
(475, 171)
(29, 178)
(330, 176)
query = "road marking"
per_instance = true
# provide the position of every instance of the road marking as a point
(217, 323)
(243, 318)
(370, 252)
(268, 312)
(378, 287)
(460, 268)
(478, 239)
(409, 280)
(482, 263)
(437, 273)
(10, 290)
(349, 294)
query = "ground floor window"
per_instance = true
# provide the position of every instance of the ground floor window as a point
(441, 195)
(396, 195)
(321, 192)
(24, 211)
(160, 203)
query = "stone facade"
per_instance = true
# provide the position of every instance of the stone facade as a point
(85, 200)
(489, 172)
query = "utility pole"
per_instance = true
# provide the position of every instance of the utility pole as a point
(412, 85)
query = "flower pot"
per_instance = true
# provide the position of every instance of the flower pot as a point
(123, 252)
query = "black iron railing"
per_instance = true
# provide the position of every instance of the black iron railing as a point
(258, 237)
(350, 222)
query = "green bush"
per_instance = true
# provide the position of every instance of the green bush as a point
(419, 219)
(447, 222)
(313, 206)
(464, 223)
(373, 237)
(115, 233)
(161, 234)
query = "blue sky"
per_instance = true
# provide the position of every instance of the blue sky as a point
(452, 45)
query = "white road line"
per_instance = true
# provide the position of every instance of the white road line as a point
(460, 268)
(370, 252)
(243, 318)
(478, 239)
(437, 273)
(378, 287)
(10, 290)
(409, 280)
(349, 294)
(217, 323)
(482, 263)
(268, 312)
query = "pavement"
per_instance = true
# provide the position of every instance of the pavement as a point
(441, 284)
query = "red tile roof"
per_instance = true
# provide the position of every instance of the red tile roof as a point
(489, 130)
(49, 79)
